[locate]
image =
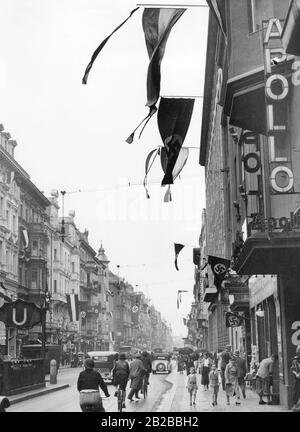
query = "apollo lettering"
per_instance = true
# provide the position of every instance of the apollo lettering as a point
(276, 90)
(296, 335)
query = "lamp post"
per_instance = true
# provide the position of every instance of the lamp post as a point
(45, 307)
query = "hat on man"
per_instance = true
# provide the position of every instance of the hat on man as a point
(236, 353)
(89, 363)
(122, 356)
(138, 355)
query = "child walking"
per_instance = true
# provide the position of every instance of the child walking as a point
(192, 385)
(214, 383)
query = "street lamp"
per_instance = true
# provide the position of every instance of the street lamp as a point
(45, 307)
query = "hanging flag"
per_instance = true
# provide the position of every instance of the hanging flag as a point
(20, 314)
(179, 297)
(148, 166)
(135, 309)
(83, 307)
(173, 118)
(103, 43)
(233, 320)
(73, 307)
(157, 25)
(219, 268)
(218, 9)
(4, 297)
(178, 247)
(196, 256)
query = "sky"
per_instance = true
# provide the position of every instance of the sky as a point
(72, 137)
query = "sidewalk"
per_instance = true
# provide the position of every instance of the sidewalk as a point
(178, 399)
(62, 383)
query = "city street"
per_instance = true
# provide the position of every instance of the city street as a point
(67, 400)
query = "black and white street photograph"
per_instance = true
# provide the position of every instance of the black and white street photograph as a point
(150, 209)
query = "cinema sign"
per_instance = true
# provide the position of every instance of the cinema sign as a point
(276, 92)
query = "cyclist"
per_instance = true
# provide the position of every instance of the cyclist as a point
(146, 359)
(121, 375)
(90, 380)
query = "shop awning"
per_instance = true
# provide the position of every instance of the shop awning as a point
(291, 30)
(248, 110)
(269, 253)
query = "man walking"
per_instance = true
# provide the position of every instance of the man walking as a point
(264, 378)
(137, 372)
(225, 357)
(241, 367)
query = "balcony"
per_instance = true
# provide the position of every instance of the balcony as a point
(210, 294)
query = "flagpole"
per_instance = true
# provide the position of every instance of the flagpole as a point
(161, 5)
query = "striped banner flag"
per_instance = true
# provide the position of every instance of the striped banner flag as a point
(73, 307)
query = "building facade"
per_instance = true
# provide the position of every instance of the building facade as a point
(250, 151)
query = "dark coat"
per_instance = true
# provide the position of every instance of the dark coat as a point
(90, 379)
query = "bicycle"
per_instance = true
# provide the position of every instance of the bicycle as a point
(120, 398)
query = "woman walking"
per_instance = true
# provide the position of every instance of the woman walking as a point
(231, 381)
(205, 371)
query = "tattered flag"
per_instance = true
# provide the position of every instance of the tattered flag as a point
(178, 247)
(157, 25)
(103, 43)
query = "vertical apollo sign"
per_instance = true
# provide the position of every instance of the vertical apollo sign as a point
(276, 92)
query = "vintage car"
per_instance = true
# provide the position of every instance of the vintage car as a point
(104, 363)
(161, 362)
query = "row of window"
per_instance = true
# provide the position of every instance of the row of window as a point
(9, 259)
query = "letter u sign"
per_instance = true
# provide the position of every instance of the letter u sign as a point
(14, 318)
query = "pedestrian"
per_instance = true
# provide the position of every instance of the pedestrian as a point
(225, 357)
(120, 375)
(146, 359)
(136, 374)
(188, 364)
(192, 385)
(295, 369)
(180, 364)
(214, 377)
(264, 378)
(88, 384)
(231, 381)
(205, 371)
(241, 366)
